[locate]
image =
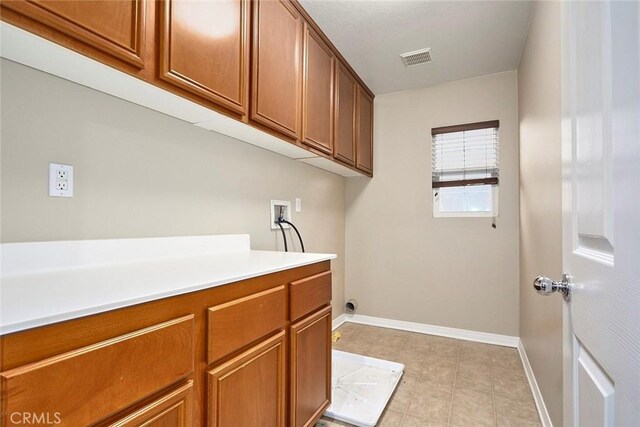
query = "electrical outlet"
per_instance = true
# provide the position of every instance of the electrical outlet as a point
(276, 206)
(298, 204)
(60, 180)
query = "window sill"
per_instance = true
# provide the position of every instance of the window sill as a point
(465, 215)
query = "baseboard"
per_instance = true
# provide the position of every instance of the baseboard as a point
(535, 390)
(461, 334)
(338, 321)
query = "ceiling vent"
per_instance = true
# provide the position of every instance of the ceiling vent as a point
(417, 57)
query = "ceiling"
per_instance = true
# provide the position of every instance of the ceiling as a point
(467, 38)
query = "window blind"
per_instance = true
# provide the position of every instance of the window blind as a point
(465, 155)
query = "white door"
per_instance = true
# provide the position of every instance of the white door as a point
(601, 211)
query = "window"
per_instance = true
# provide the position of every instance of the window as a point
(464, 161)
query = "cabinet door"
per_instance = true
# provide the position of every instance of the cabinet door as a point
(364, 131)
(276, 66)
(116, 27)
(345, 116)
(310, 368)
(174, 409)
(205, 49)
(249, 389)
(317, 92)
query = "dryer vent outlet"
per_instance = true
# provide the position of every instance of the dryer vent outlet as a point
(350, 306)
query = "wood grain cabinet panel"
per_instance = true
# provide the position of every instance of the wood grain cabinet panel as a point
(205, 49)
(249, 390)
(111, 369)
(116, 27)
(310, 368)
(344, 148)
(173, 409)
(277, 66)
(309, 294)
(240, 322)
(364, 131)
(91, 383)
(317, 92)
(262, 62)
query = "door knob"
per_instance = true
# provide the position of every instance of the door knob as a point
(545, 286)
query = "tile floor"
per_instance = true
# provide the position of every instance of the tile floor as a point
(447, 382)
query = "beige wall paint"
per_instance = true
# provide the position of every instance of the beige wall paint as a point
(541, 201)
(139, 173)
(404, 264)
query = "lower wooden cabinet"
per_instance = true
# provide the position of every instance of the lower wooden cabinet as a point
(172, 409)
(83, 386)
(229, 356)
(310, 373)
(249, 389)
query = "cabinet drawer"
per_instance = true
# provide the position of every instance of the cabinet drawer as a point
(309, 294)
(235, 324)
(171, 409)
(88, 384)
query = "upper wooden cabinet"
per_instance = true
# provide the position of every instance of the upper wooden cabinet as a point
(345, 116)
(263, 62)
(204, 49)
(276, 66)
(364, 131)
(116, 27)
(317, 92)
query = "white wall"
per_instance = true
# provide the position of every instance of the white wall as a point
(404, 264)
(139, 173)
(541, 201)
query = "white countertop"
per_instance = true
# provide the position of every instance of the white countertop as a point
(44, 283)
